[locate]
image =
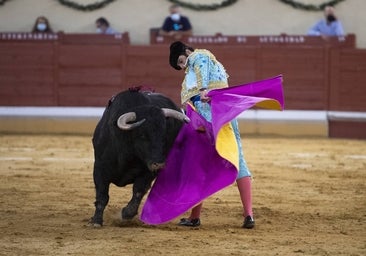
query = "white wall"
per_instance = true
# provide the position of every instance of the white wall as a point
(246, 17)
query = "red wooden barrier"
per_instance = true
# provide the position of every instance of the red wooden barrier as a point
(27, 73)
(347, 80)
(86, 70)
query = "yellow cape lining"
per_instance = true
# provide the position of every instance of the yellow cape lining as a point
(226, 145)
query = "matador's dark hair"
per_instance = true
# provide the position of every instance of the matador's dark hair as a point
(176, 49)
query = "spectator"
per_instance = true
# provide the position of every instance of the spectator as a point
(42, 25)
(330, 26)
(103, 26)
(176, 25)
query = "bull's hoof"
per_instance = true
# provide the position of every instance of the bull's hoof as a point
(128, 214)
(94, 224)
(97, 225)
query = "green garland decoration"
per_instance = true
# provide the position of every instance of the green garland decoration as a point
(196, 7)
(310, 7)
(103, 3)
(87, 7)
(2, 2)
(204, 7)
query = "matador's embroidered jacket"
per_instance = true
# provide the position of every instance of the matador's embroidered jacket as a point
(203, 72)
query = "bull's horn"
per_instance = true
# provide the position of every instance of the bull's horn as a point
(175, 114)
(128, 117)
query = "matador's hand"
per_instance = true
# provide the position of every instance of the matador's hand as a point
(203, 96)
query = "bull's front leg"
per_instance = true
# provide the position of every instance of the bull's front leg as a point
(140, 187)
(102, 197)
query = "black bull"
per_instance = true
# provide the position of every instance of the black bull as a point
(131, 142)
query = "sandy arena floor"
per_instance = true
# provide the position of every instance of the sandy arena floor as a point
(309, 199)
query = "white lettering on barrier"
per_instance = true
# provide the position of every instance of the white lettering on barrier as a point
(281, 39)
(28, 36)
(209, 40)
(241, 39)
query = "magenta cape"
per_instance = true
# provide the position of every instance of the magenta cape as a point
(195, 169)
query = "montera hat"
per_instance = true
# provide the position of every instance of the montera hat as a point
(176, 49)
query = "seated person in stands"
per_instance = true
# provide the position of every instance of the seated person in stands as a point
(42, 25)
(176, 25)
(103, 27)
(330, 26)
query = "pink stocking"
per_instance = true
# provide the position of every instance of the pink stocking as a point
(196, 211)
(245, 190)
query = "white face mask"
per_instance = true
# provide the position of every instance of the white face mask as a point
(175, 16)
(99, 31)
(41, 26)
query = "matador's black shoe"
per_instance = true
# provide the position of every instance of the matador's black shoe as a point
(248, 222)
(189, 223)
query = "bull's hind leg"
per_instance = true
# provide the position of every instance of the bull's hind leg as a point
(140, 187)
(102, 197)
